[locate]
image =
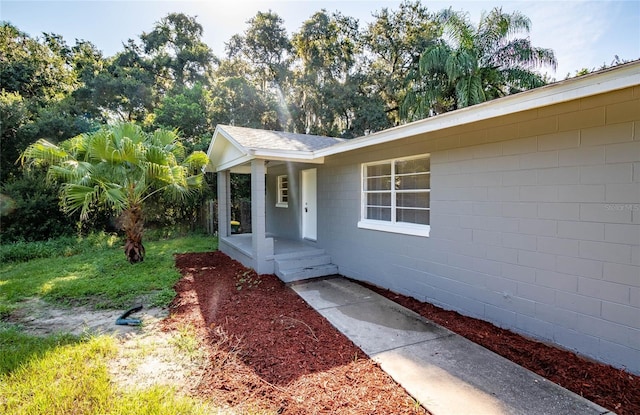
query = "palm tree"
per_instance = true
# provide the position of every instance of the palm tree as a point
(476, 64)
(119, 167)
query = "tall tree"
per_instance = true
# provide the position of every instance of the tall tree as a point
(178, 54)
(186, 109)
(37, 79)
(393, 44)
(476, 63)
(34, 69)
(266, 45)
(327, 47)
(119, 167)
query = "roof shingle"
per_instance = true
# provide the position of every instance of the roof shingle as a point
(251, 138)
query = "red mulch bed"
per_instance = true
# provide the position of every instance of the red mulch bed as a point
(611, 388)
(269, 351)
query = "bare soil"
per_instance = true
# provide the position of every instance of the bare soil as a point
(269, 351)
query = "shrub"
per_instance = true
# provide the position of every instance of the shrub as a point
(23, 251)
(32, 211)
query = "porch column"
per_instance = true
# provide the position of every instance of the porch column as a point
(261, 246)
(224, 203)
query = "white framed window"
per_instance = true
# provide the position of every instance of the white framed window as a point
(396, 195)
(283, 191)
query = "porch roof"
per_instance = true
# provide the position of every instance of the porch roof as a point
(233, 147)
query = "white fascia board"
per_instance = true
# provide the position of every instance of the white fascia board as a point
(230, 139)
(286, 155)
(221, 134)
(235, 162)
(619, 77)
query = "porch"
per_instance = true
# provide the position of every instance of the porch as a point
(291, 260)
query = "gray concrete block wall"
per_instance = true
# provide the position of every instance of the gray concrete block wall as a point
(535, 224)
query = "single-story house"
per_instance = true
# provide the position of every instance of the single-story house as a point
(523, 211)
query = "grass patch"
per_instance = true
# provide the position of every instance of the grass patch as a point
(99, 276)
(67, 377)
(18, 347)
(63, 246)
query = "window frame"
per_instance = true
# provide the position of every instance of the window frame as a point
(281, 202)
(392, 225)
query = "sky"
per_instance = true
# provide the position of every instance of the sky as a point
(583, 34)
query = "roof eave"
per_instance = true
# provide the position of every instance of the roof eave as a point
(605, 81)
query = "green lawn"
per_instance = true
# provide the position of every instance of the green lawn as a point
(99, 276)
(64, 374)
(67, 377)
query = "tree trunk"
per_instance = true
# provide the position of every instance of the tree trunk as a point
(133, 226)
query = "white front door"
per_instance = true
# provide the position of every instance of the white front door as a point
(309, 205)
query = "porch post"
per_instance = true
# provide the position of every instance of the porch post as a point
(262, 248)
(224, 203)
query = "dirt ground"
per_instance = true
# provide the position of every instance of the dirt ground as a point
(260, 348)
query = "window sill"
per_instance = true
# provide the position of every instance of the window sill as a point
(282, 205)
(403, 228)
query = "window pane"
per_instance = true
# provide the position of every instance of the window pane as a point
(378, 213)
(413, 181)
(379, 183)
(412, 216)
(417, 200)
(378, 199)
(379, 170)
(413, 166)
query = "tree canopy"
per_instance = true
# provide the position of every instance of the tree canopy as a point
(333, 76)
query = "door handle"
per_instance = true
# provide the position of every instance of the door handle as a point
(306, 210)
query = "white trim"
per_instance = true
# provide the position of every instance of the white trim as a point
(233, 163)
(608, 80)
(392, 225)
(279, 189)
(620, 77)
(400, 227)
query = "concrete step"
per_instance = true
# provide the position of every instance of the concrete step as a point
(302, 262)
(298, 274)
(298, 254)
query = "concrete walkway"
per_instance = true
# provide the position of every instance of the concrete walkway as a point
(445, 372)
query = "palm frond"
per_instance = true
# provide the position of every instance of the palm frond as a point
(458, 28)
(196, 161)
(520, 53)
(434, 59)
(158, 172)
(195, 182)
(76, 145)
(133, 131)
(469, 91)
(114, 195)
(42, 152)
(164, 137)
(70, 171)
(100, 146)
(128, 151)
(518, 80)
(177, 149)
(75, 197)
(156, 155)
